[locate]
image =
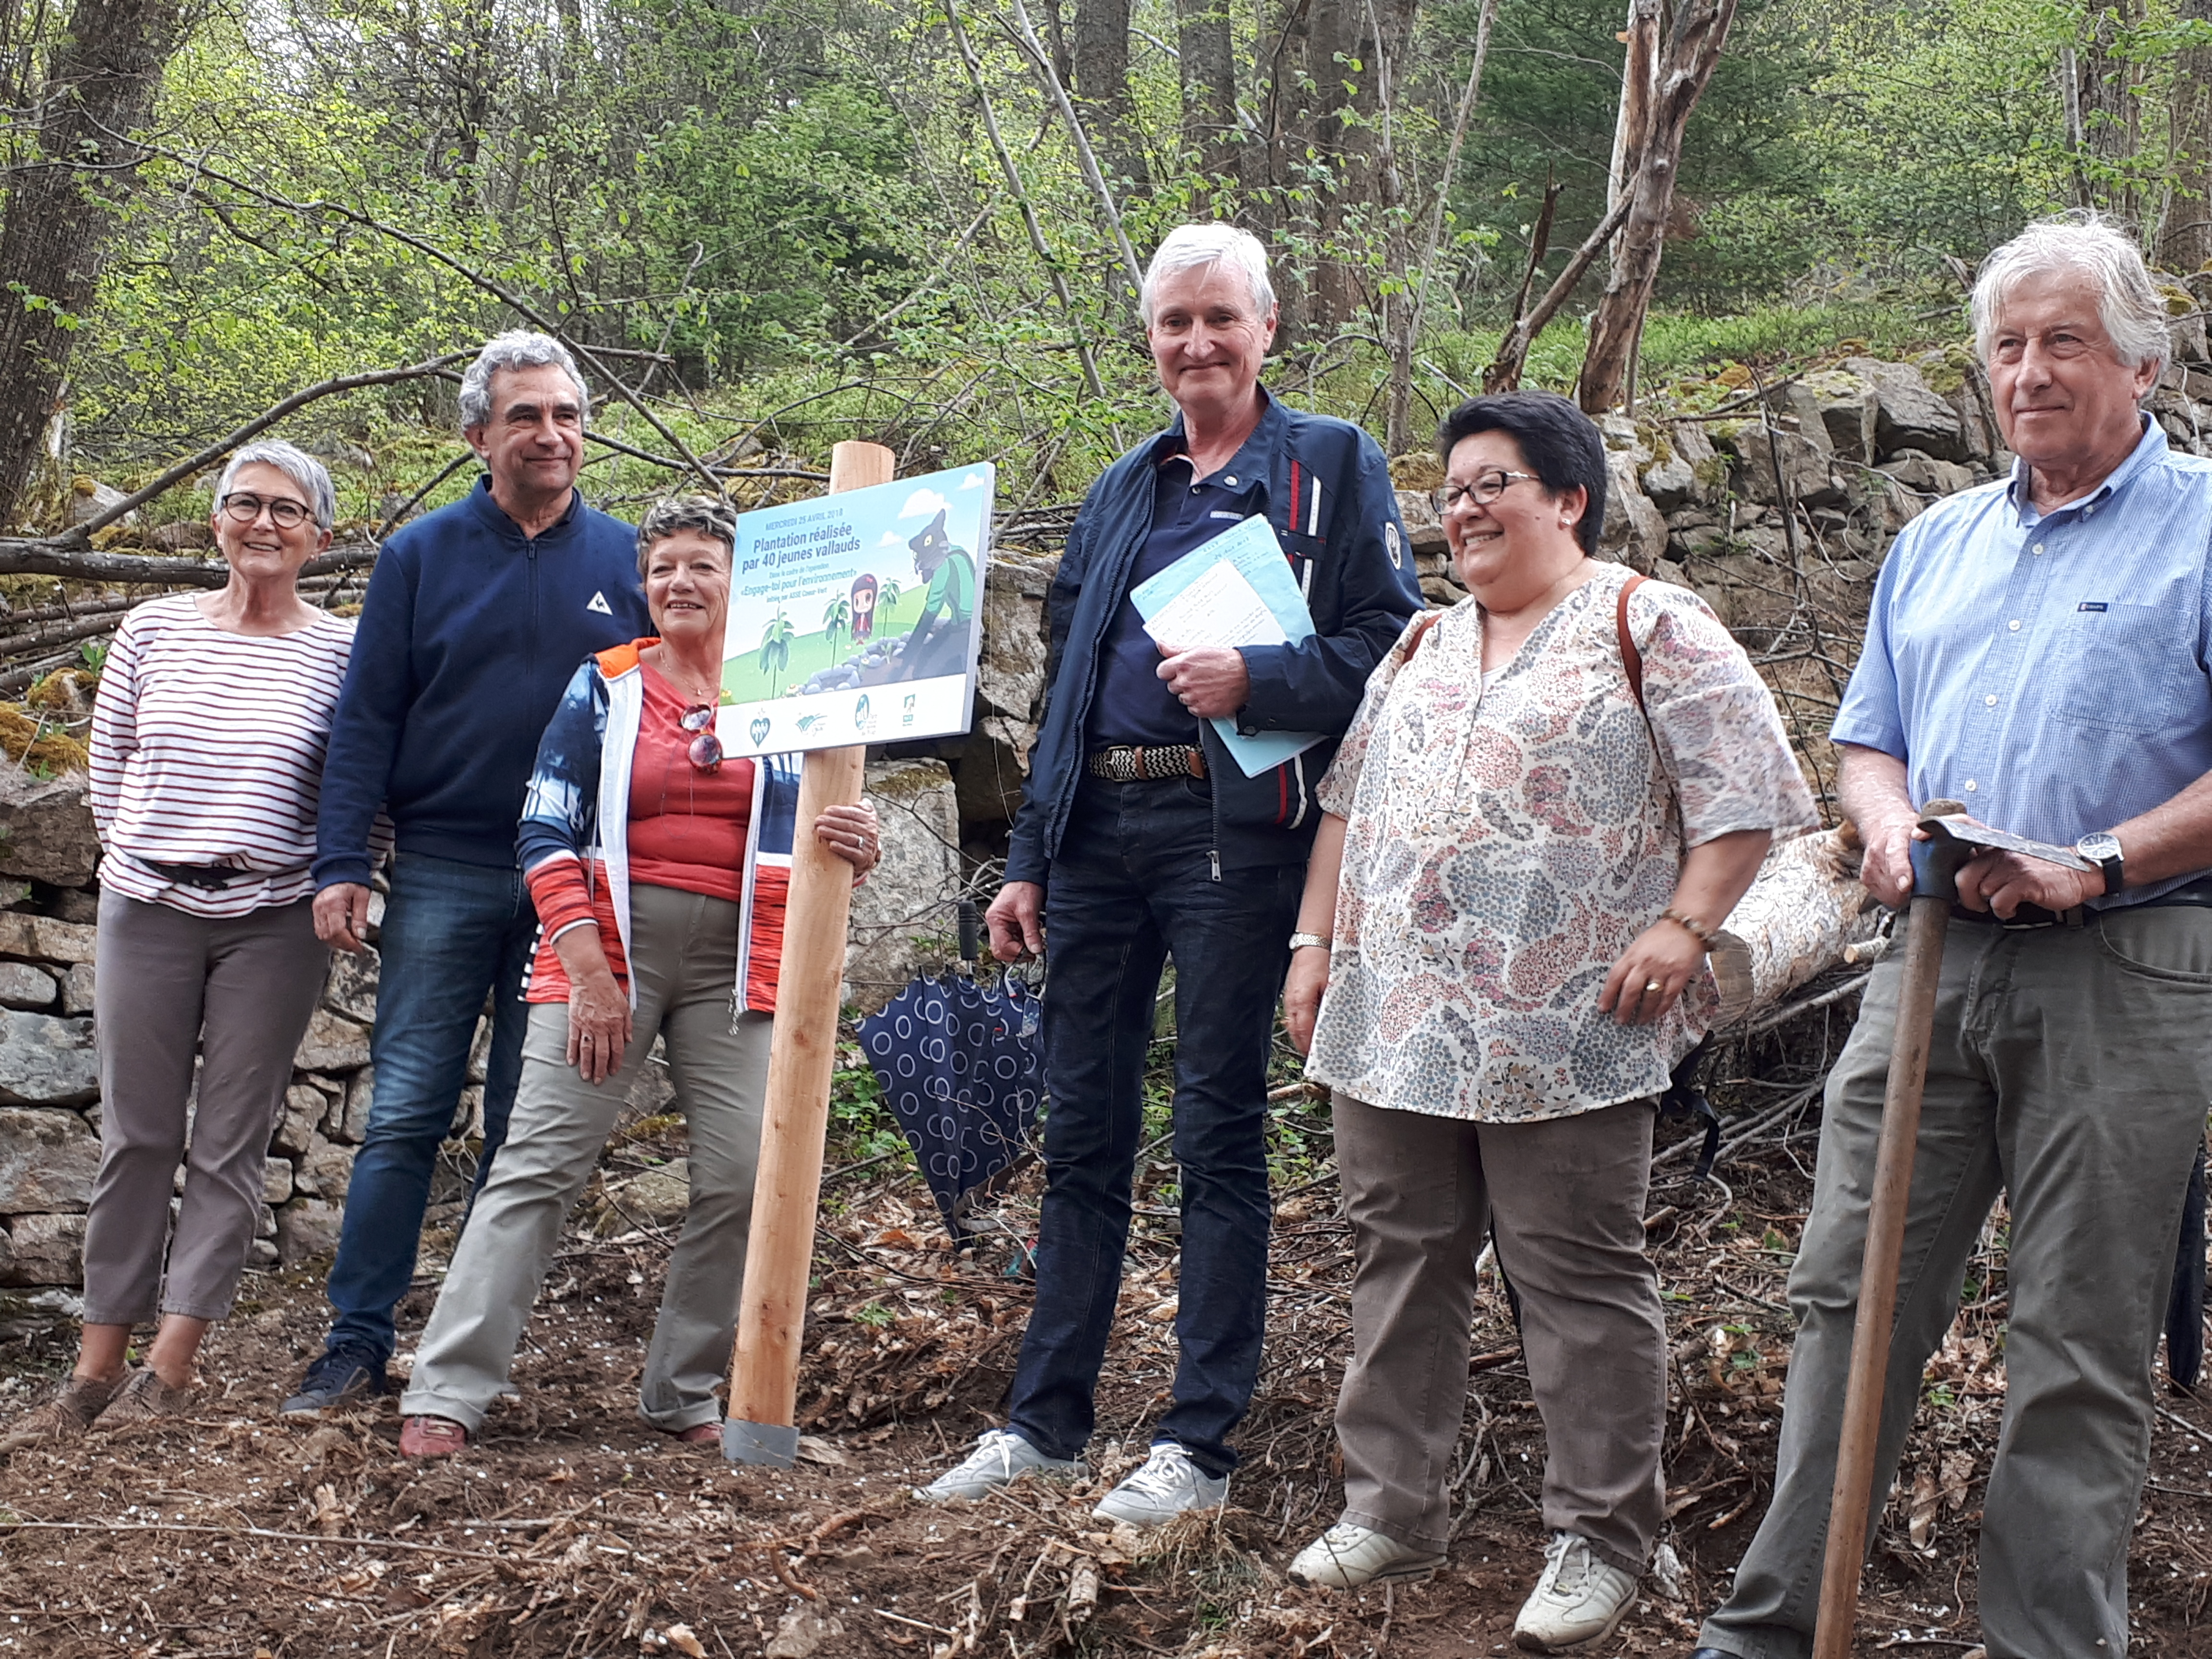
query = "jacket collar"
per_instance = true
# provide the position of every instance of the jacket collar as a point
(494, 516)
(617, 660)
(1253, 461)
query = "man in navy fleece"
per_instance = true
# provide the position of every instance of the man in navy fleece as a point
(477, 616)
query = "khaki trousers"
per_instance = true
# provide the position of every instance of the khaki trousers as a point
(237, 991)
(2069, 1069)
(1565, 1198)
(683, 952)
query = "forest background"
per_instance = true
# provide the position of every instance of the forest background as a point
(782, 223)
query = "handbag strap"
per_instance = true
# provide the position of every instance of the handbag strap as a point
(1630, 658)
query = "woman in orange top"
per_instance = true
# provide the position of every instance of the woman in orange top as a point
(659, 868)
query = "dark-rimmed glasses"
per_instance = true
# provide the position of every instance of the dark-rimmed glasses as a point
(1486, 487)
(705, 750)
(244, 506)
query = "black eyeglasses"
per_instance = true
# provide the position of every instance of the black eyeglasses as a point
(243, 506)
(705, 750)
(1486, 488)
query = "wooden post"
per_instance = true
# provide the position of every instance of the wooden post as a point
(1935, 873)
(761, 1426)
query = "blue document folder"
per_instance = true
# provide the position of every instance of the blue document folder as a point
(1235, 590)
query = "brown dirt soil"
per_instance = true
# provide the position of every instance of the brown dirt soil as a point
(571, 1530)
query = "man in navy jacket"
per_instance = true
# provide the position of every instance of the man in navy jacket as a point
(476, 617)
(1140, 838)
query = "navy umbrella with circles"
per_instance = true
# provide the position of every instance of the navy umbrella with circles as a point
(961, 1070)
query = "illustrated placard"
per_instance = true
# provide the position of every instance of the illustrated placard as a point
(857, 617)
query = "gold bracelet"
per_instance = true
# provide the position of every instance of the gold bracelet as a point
(1698, 931)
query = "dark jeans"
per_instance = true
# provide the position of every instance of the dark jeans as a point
(1132, 885)
(453, 933)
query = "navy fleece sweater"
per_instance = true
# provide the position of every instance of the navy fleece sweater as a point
(469, 635)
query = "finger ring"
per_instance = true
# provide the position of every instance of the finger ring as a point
(1650, 985)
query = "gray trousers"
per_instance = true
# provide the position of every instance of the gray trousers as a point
(2069, 1069)
(239, 993)
(683, 955)
(1565, 1197)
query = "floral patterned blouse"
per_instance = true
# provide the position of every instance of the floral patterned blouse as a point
(1503, 845)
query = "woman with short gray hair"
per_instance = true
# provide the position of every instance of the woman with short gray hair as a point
(208, 739)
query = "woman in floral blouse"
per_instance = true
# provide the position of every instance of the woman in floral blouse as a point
(1507, 908)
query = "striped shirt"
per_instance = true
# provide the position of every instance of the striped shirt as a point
(207, 749)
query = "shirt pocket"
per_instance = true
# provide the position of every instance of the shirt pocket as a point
(2123, 667)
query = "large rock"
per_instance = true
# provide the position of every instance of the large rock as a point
(1848, 409)
(276, 1180)
(305, 1227)
(1954, 375)
(1635, 533)
(348, 1122)
(305, 1108)
(46, 1062)
(325, 1171)
(333, 1043)
(652, 1198)
(1926, 477)
(1804, 466)
(47, 832)
(44, 1250)
(25, 935)
(77, 989)
(47, 1161)
(22, 986)
(914, 892)
(351, 989)
(1009, 687)
(1912, 414)
(1424, 527)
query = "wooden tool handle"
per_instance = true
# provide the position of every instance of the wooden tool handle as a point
(1849, 1515)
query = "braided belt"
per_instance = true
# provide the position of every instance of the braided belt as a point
(1125, 763)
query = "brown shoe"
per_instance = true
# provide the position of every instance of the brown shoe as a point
(63, 1418)
(142, 1399)
(431, 1437)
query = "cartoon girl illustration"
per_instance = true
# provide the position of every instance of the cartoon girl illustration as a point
(864, 608)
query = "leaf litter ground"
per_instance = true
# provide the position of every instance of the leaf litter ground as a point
(571, 1530)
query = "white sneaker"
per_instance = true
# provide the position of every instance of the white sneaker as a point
(1168, 1485)
(1001, 1458)
(1580, 1598)
(1348, 1556)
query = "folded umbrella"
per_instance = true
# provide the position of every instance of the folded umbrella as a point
(962, 1070)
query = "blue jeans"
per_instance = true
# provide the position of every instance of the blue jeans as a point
(453, 933)
(1133, 885)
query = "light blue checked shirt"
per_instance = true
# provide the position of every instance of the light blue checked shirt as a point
(2053, 672)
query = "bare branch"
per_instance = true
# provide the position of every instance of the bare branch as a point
(260, 423)
(1505, 374)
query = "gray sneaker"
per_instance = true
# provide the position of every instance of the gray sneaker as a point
(1001, 1458)
(1168, 1485)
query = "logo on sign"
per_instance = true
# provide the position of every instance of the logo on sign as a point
(860, 712)
(759, 728)
(906, 717)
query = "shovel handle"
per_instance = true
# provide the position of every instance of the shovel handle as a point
(1935, 868)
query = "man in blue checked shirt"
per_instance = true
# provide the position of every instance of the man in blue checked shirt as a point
(2039, 649)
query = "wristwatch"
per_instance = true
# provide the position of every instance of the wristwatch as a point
(1300, 941)
(2102, 848)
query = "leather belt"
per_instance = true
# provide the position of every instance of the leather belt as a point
(1130, 763)
(210, 878)
(2027, 918)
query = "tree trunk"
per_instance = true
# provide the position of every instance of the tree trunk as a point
(2110, 135)
(1209, 88)
(1279, 70)
(1351, 64)
(2187, 245)
(1102, 85)
(61, 215)
(1700, 31)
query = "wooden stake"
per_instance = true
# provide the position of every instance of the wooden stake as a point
(1926, 922)
(794, 1120)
